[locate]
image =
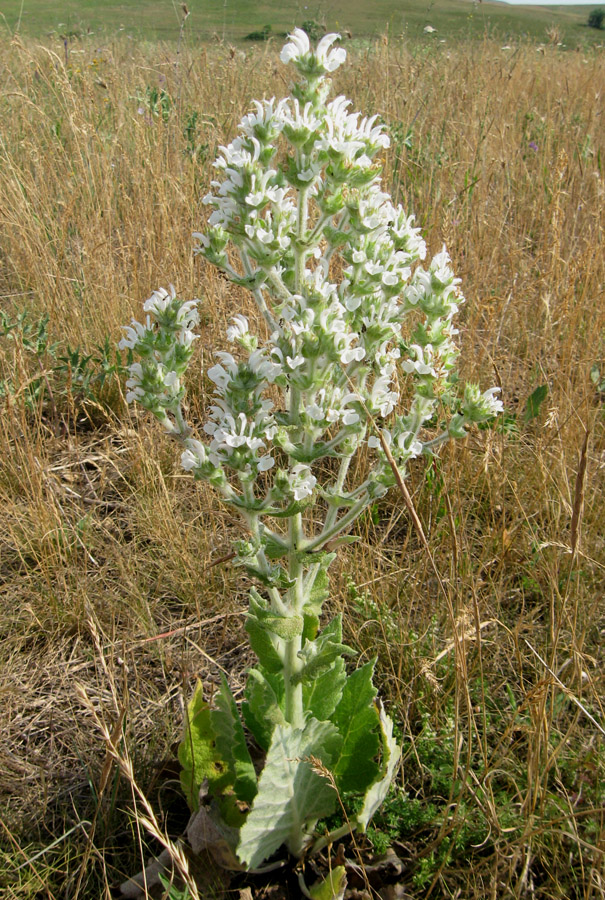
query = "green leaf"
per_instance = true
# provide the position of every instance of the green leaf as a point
(332, 887)
(357, 720)
(291, 510)
(231, 744)
(198, 754)
(262, 707)
(319, 655)
(274, 549)
(285, 627)
(378, 791)
(315, 599)
(261, 639)
(322, 694)
(319, 593)
(534, 402)
(291, 795)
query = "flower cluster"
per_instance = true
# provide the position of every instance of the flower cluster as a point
(336, 346)
(165, 344)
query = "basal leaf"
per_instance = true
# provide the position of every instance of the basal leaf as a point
(198, 754)
(231, 744)
(291, 795)
(378, 791)
(357, 720)
(332, 887)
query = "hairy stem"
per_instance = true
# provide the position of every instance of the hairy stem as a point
(292, 662)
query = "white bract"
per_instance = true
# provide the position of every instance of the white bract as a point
(355, 322)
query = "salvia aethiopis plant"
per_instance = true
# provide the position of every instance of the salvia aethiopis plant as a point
(352, 321)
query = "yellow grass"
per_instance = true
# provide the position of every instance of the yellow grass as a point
(105, 545)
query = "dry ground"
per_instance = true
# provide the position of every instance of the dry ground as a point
(110, 565)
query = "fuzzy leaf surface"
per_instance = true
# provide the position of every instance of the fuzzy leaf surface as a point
(261, 639)
(291, 796)
(378, 791)
(322, 694)
(357, 720)
(198, 754)
(319, 655)
(262, 707)
(231, 744)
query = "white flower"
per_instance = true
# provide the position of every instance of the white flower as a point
(381, 397)
(334, 58)
(492, 405)
(238, 329)
(159, 300)
(297, 48)
(309, 173)
(440, 268)
(419, 366)
(219, 376)
(415, 447)
(265, 463)
(302, 482)
(389, 279)
(375, 443)
(134, 331)
(352, 353)
(194, 455)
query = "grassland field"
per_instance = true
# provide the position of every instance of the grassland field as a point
(232, 20)
(111, 576)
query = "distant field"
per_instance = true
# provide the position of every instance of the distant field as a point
(234, 19)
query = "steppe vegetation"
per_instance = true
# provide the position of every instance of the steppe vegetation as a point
(454, 20)
(115, 593)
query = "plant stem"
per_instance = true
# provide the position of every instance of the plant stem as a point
(292, 662)
(327, 534)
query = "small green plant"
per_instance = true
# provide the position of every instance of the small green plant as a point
(59, 371)
(596, 17)
(195, 148)
(314, 30)
(300, 219)
(597, 376)
(156, 102)
(262, 35)
(510, 421)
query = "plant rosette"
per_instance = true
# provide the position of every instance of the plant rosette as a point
(298, 216)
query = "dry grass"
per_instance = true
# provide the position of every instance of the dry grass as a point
(105, 546)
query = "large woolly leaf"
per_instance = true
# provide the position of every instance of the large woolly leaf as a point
(198, 753)
(377, 792)
(231, 744)
(357, 720)
(291, 795)
(319, 655)
(262, 707)
(322, 694)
